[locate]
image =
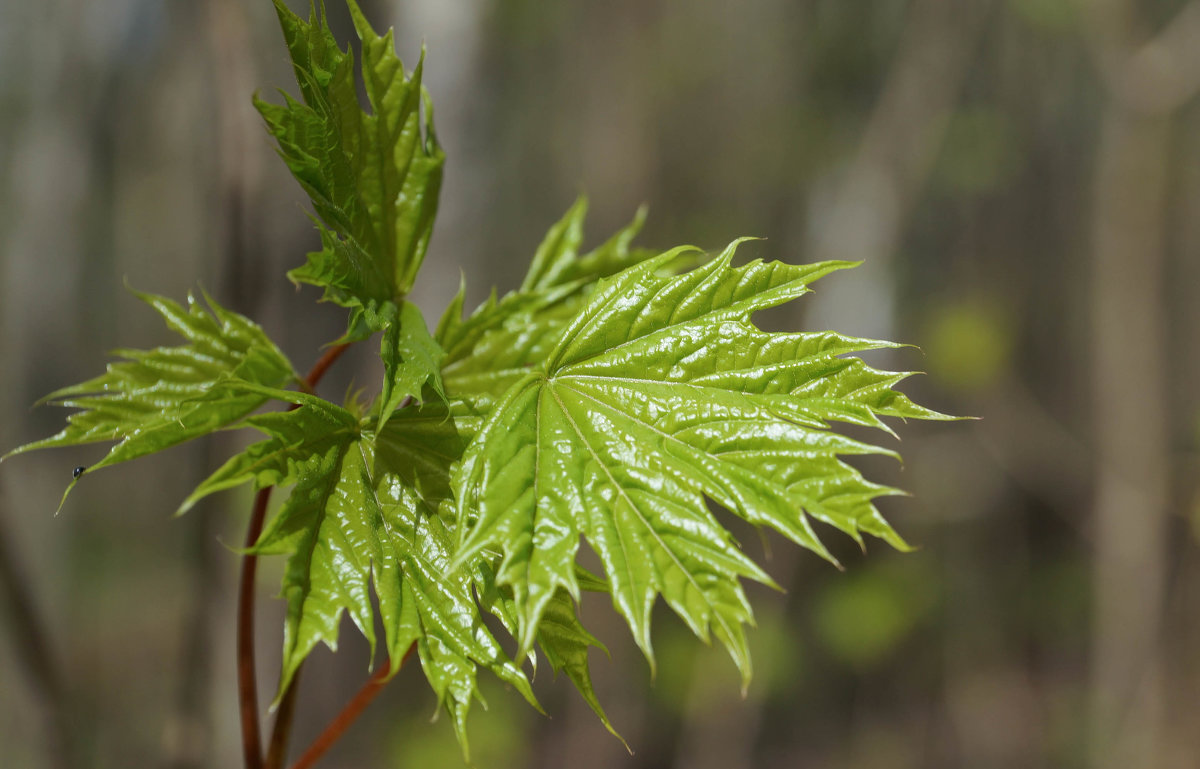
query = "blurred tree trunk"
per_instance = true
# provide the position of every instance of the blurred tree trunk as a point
(1146, 86)
(1129, 391)
(862, 216)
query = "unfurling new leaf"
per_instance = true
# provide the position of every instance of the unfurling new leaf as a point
(373, 178)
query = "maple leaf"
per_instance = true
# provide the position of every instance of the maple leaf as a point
(158, 398)
(609, 399)
(658, 393)
(419, 451)
(362, 515)
(495, 346)
(373, 178)
(411, 359)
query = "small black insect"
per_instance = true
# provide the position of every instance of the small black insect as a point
(78, 471)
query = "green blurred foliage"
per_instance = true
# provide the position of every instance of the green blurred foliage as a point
(1054, 16)
(498, 736)
(865, 615)
(695, 676)
(980, 151)
(968, 343)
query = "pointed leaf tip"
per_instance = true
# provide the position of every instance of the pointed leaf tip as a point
(155, 399)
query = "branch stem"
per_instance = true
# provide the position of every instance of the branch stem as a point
(282, 730)
(332, 353)
(349, 714)
(247, 683)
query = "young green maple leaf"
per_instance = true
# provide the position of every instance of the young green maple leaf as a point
(495, 346)
(158, 398)
(362, 515)
(419, 449)
(557, 261)
(417, 452)
(373, 178)
(411, 359)
(661, 392)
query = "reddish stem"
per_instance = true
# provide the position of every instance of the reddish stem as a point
(278, 743)
(332, 353)
(349, 714)
(247, 684)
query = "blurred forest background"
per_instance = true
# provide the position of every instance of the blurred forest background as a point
(1021, 179)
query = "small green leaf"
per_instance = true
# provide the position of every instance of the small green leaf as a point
(158, 398)
(331, 526)
(559, 248)
(277, 461)
(373, 178)
(565, 643)
(659, 393)
(419, 447)
(411, 358)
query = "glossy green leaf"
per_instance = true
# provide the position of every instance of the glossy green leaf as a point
(362, 515)
(331, 526)
(420, 447)
(411, 358)
(373, 177)
(155, 399)
(436, 607)
(557, 261)
(498, 343)
(565, 643)
(661, 392)
(610, 399)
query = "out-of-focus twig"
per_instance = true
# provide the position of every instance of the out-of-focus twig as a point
(349, 714)
(1157, 76)
(879, 188)
(232, 178)
(33, 645)
(247, 682)
(863, 214)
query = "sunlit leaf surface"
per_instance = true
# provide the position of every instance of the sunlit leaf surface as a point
(361, 517)
(155, 399)
(658, 393)
(498, 342)
(411, 358)
(373, 177)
